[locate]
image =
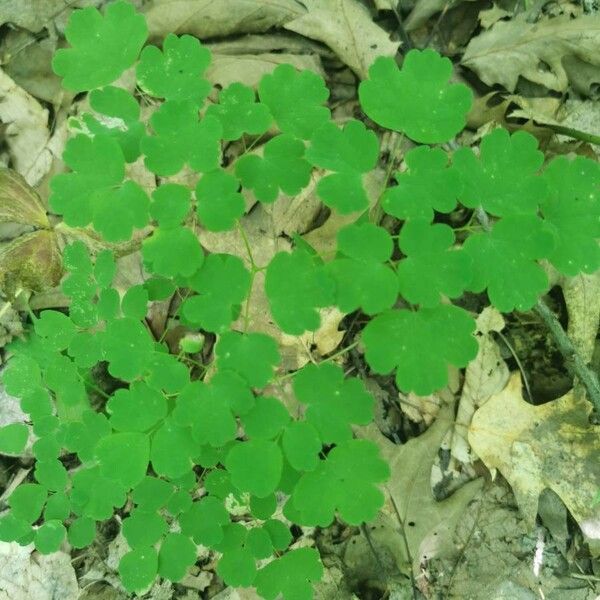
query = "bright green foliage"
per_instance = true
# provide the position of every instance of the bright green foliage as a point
(266, 420)
(180, 139)
(219, 204)
(173, 252)
(282, 167)
(255, 466)
(504, 261)
(333, 402)
(117, 104)
(417, 99)
(174, 73)
(349, 152)
(302, 444)
(345, 482)
(362, 280)
(572, 209)
(95, 192)
(396, 338)
(13, 438)
(138, 569)
(295, 100)
(252, 355)
(290, 575)
(177, 553)
(296, 287)
(432, 267)
(27, 501)
(170, 204)
(102, 46)
(427, 185)
(194, 398)
(222, 285)
(49, 537)
(239, 113)
(503, 179)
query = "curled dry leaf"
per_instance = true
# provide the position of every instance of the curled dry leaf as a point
(536, 447)
(511, 49)
(217, 18)
(484, 376)
(346, 26)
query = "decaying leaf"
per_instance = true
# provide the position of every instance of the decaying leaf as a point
(347, 27)
(217, 18)
(428, 524)
(19, 202)
(30, 15)
(484, 376)
(535, 51)
(536, 447)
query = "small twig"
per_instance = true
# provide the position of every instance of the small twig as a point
(573, 360)
(519, 364)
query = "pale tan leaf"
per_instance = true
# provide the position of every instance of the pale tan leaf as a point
(535, 51)
(536, 447)
(218, 18)
(346, 26)
(19, 202)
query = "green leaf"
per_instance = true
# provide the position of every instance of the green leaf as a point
(295, 100)
(219, 204)
(222, 284)
(204, 521)
(259, 543)
(21, 376)
(234, 388)
(56, 328)
(167, 373)
(433, 268)
(105, 268)
(504, 261)
(263, 508)
(281, 537)
(46, 448)
(171, 450)
(175, 73)
(58, 507)
(347, 481)
(138, 569)
(27, 501)
(180, 139)
(252, 355)
(239, 113)
(13, 438)
(94, 495)
(291, 575)
(170, 205)
(137, 408)
(504, 178)
(49, 537)
(102, 48)
(572, 209)
(428, 185)
(177, 554)
(281, 167)
(143, 528)
(85, 349)
(302, 445)
(255, 466)
(266, 420)
(135, 302)
(172, 252)
(334, 403)
(51, 474)
(362, 280)
(124, 457)
(127, 348)
(82, 532)
(152, 494)
(83, 435)
(296, 287)
(396, 338)
(123, 124)
(237, 568)
(416, 100)
(349, 151)
(14, 529)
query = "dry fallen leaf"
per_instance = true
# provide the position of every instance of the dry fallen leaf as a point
(346, 26)
(31, 15)
(486, 375)
(428, 524)
(218, 18)
(536, 447)
(511, 49)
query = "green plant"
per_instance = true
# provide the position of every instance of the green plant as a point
(145, 441)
